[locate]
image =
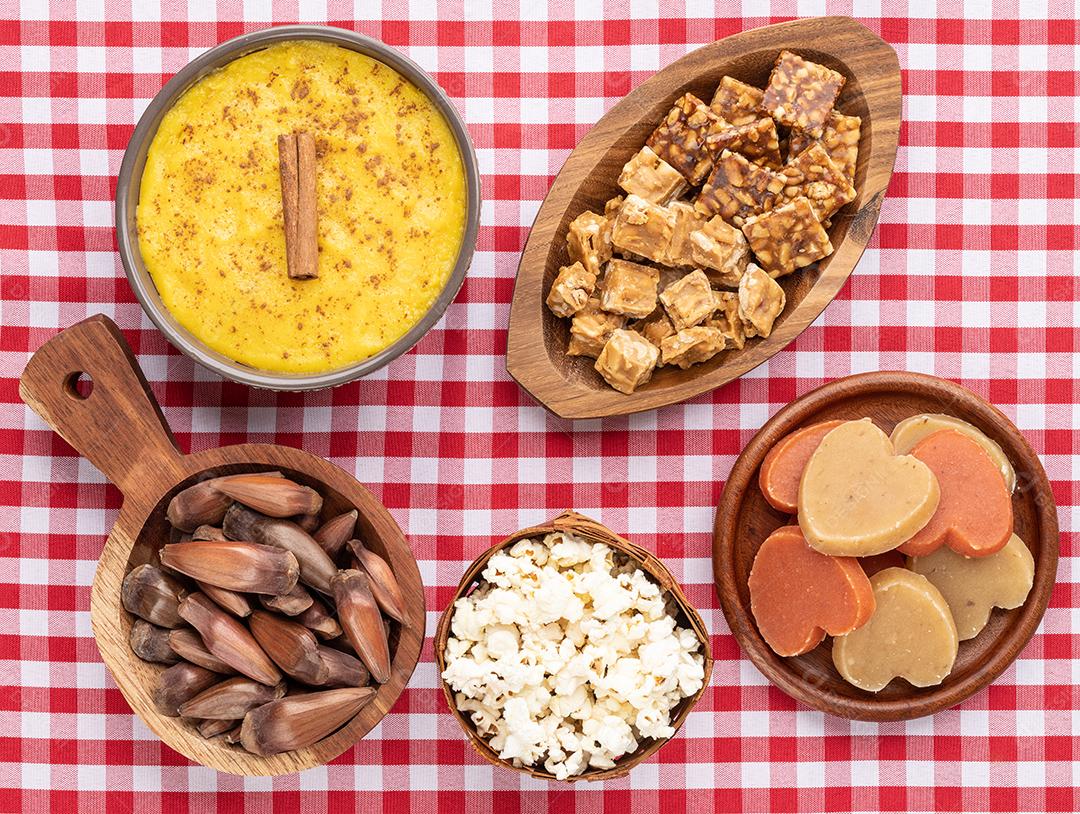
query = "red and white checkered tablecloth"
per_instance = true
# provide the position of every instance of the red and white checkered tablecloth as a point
(972, 275)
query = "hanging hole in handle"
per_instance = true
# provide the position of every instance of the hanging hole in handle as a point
(79, 385)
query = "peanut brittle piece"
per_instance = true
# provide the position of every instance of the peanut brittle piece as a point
(611, 210)
(814, 176)
(721, 250)
(571, 290)
(787, 238)
(736, 102)
(687, 219)
(758, 141)
(648, 176)
(738, 189)
(627, 360)
(727, 320)
(840, 140)
(680, 138)
(642, 229)
(588, 242)
(629, 289)
(591, 328)
(689, 300)
(655, 327)
(761, 299)
(692, 345)
(801, 93)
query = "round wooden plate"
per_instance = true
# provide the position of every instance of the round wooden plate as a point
(744, 520)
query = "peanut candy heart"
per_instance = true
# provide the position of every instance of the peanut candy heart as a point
(973, 586)
(857, 497)
(911, 635)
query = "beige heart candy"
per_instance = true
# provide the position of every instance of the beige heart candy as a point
(858, 498)
(911, 634)
(911, 431)
(974, 585)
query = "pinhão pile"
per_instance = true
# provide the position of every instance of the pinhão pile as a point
(277, 622)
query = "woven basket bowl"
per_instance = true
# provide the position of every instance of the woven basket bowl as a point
(580, 526)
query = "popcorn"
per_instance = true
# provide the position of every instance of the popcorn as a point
(468, 677)
(506, 605)
(469, 622)
(555, 599)
(660, 657)
(529, 551)
(502, 641)
(483, 716)
(610, 737)
(566, 705)
(568, 656)
(458, 649)
(608, 597)
(574, 634)
(567, 550)
(653, 722)
(691, 676)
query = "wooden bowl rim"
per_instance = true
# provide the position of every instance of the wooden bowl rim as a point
(109, 618)
(573, 523)
(743, 478)
(528, 361)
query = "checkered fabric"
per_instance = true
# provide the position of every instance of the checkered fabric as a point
(971, 275)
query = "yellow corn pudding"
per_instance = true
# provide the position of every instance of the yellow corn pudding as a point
(391, 206)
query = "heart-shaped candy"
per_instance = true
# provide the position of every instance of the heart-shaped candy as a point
(911, 431)
(858, 498)
(783, 467)
(798, 595)
(974, 585)
(910, 634)
(974, 516)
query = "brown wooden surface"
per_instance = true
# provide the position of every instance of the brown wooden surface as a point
(574, 523)
(119, 427)
(744, 520)
(536, 346)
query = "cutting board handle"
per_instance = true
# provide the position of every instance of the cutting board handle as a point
(118, 424)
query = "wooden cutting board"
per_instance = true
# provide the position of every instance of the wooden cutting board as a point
(119, 427)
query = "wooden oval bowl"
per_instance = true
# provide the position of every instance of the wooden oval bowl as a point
(537, 341)
(120, 429)
(574, 523)
(744, 520)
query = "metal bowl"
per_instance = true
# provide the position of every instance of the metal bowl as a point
(130, 180)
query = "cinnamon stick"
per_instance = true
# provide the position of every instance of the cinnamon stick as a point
(307, 237)
(287, 161)
(296, 158)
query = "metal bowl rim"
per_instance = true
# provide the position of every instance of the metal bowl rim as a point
(130, 180)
